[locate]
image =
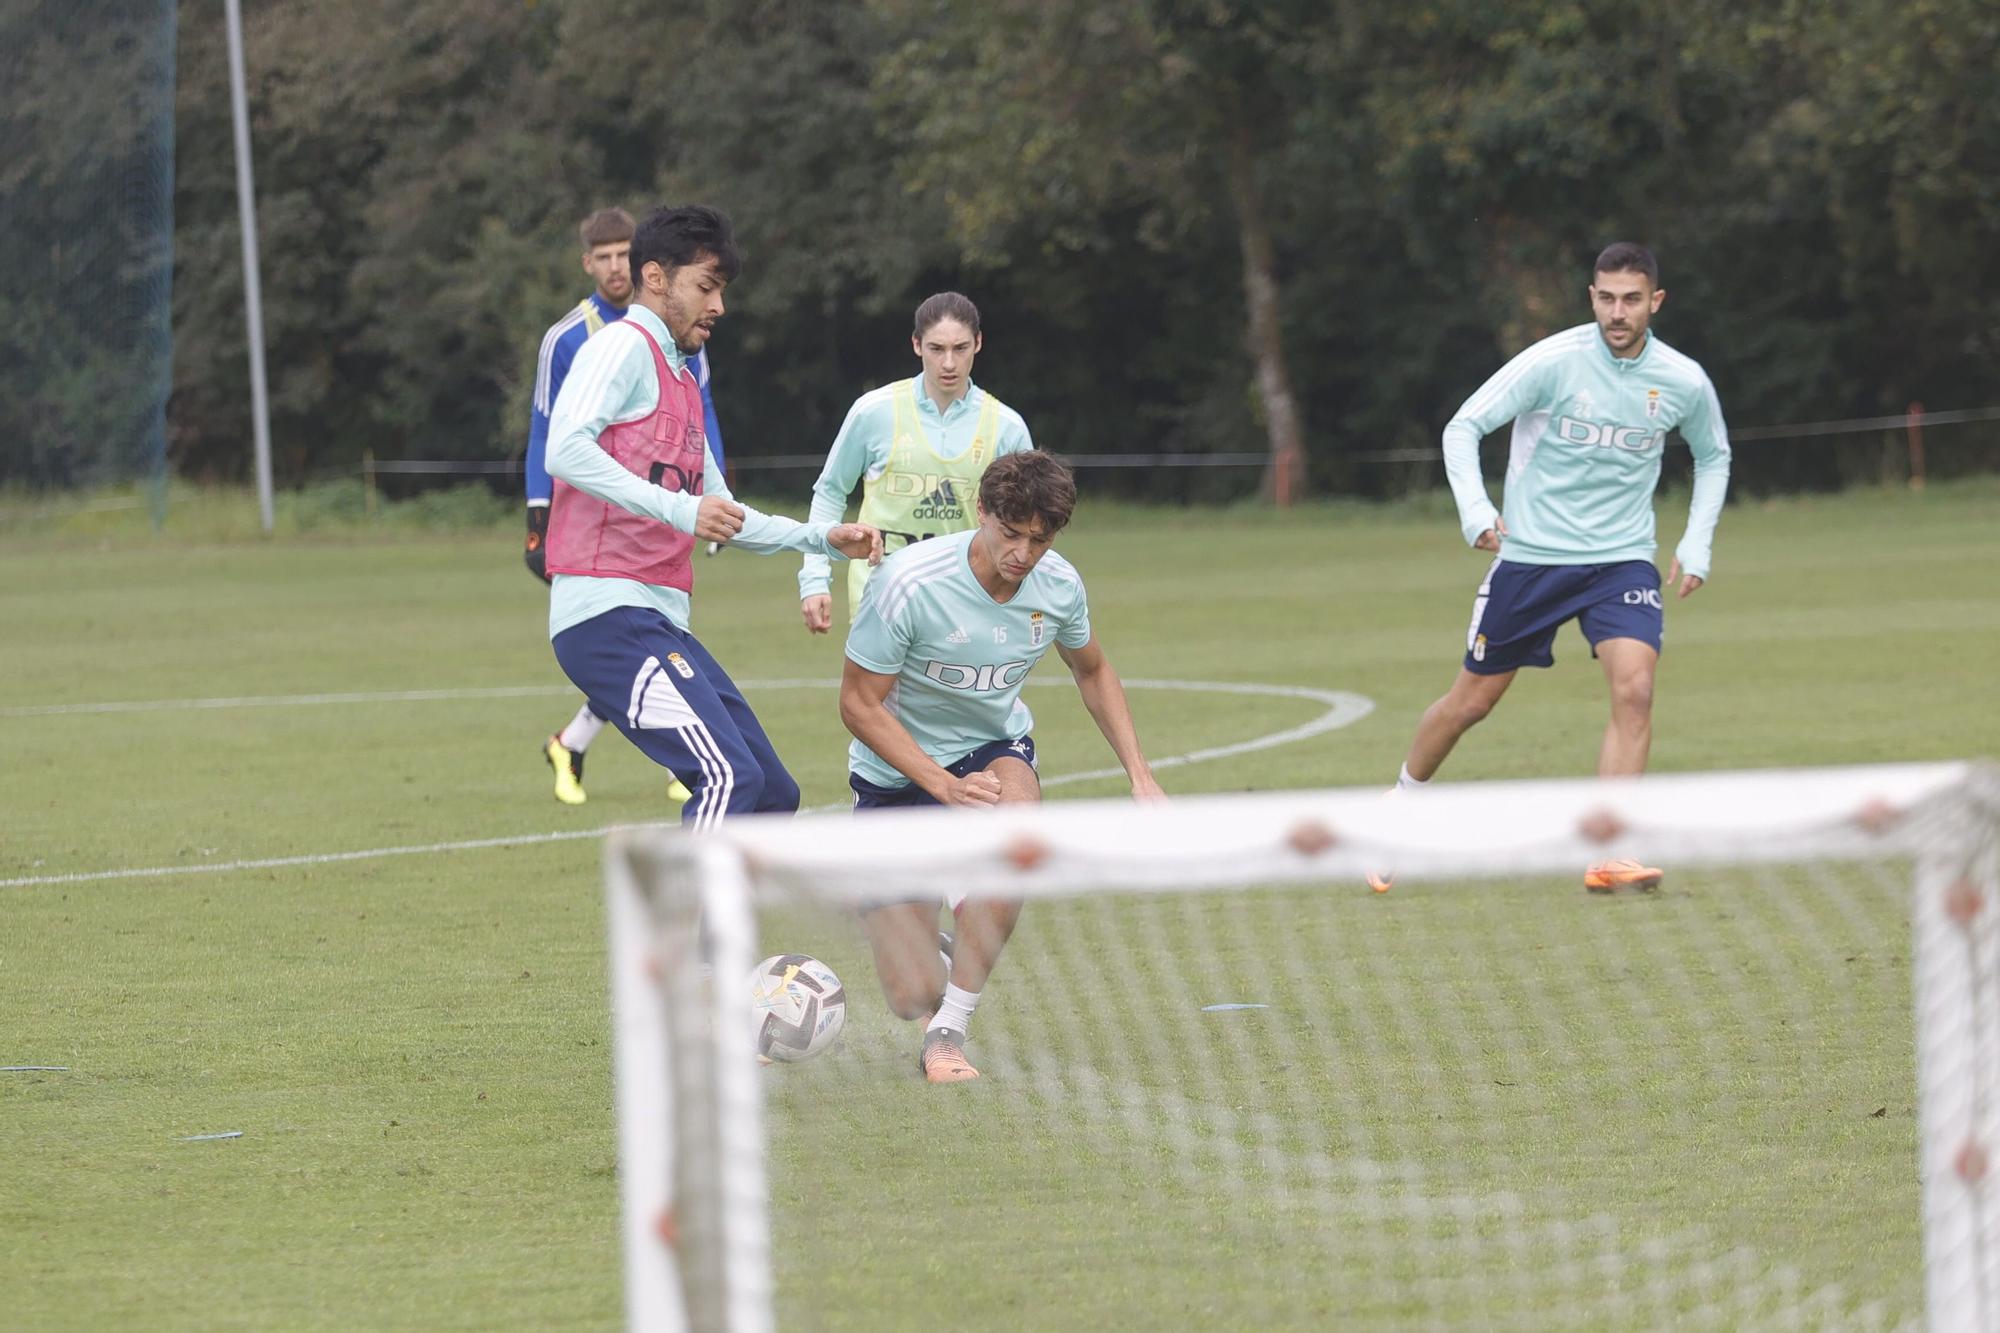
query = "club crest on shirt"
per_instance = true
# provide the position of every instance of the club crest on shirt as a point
(679, 663)
(1034, 629)
(1652, 402)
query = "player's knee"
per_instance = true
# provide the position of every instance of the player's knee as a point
(1469, 710)
(780, 792)
(746, 794)
(1632, 695)
(763, 789)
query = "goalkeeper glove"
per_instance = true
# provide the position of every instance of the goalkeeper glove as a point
(536, 554)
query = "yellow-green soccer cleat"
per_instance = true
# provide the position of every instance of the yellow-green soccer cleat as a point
(568, 766)
(677, 791)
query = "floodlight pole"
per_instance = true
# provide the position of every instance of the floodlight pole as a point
(253, 297)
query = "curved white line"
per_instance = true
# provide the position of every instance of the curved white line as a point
(1343, 709)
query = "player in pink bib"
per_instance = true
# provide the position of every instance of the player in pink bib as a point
(635, 486)
(601, 539)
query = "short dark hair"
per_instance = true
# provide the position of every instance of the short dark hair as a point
(1628, 257)
(1019, 488)
(676, 237)
(946, 305)
(607, 226)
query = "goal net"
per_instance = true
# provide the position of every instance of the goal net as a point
(86, 246)
(1224, 1085)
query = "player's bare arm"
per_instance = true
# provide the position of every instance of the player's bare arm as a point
(1104, 696)
(863, 708)
(1687, 582)
(817, 612)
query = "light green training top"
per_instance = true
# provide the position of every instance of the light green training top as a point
(613, 380)
(866, 447)
(1589, 432)
(958, 656)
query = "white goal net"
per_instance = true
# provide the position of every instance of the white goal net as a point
(1223, 1085)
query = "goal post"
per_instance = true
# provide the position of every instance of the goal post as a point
(696, 1241)
(1224, 1083)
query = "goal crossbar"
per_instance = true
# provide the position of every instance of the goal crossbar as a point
(1463, 830)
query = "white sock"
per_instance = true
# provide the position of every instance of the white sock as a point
(955, 1010)
(581, 731)
(1405, 782)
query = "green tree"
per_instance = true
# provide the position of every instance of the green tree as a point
(1086, 126)
(765, 112)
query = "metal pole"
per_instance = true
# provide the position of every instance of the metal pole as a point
(1916, 429)
(253, 297)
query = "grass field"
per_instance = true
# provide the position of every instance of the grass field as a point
(413, 1042)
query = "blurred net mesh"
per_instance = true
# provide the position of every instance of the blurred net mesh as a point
(1472, 1102)
(86, 244)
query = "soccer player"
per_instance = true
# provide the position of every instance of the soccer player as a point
(636, 484)
(607, 243)
(919, 445)
(946, 633)
(1591, 408)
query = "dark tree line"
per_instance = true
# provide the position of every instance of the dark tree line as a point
(1295, 227)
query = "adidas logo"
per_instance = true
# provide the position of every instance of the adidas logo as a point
(958, 636)
(942, 502)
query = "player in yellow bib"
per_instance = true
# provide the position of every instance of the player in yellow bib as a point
(916, 447)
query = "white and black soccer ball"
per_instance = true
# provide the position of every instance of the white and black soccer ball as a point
(799, 1004)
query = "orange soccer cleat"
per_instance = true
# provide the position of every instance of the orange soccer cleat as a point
(1384, 879)
(944, 1059)
(1621, 876)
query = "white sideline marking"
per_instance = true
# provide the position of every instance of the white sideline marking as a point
(286, 701)
(323, 858)
(1343, 709)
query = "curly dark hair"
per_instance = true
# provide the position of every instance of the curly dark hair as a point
(1021, 488)
(673, 237)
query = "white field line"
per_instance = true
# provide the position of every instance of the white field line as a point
(317, 858)
(1342, 709)
(285, 701)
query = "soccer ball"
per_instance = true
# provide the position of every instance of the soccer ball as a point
(799, 1005)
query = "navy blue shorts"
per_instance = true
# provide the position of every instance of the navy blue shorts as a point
(659, 686)
(868, 796)
(1520, 607)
